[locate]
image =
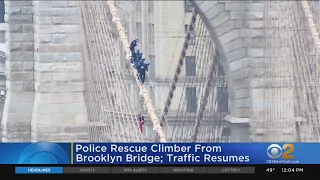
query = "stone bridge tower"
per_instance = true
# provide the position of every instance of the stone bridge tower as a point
(44, 70)
(44, 73)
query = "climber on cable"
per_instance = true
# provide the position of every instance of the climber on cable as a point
(137, 56)
(133, 45)
(141, 122)
(142, 67)
(145, 65)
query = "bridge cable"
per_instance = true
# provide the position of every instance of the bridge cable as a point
(178, 69)
(124, 40)
(104, 71)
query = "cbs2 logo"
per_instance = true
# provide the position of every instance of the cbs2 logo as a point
(274, 151)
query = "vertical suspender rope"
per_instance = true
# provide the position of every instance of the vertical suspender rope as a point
(178, 69)
(204, 98)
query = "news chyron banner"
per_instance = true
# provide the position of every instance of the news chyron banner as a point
(159, 153)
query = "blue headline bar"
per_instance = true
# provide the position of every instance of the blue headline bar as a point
(39, 170)
(195, 153)
(157, 153)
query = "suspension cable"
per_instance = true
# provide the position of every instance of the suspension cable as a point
(125, 43)
(312, 25)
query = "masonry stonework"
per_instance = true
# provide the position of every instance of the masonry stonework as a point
(257, 66)
(17, 113)
(44, 73)
(59, 112)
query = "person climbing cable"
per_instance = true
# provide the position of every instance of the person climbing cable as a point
(146, 65)
(142, 67)
(141, 122)
(133, 44)
(136, 57)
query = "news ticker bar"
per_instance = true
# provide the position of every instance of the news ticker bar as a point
(134, 170)
(272, 169)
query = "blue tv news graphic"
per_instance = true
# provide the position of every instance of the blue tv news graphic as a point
(196, 153)
(35, 153)
(39, 170)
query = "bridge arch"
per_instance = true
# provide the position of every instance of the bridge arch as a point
(37, 92)
(260, 94)
(227, 23)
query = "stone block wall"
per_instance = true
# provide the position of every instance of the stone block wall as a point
(44, 73)
(59, 112)
(2, 56)
(273, 117)
(44, 70)
(17, 113)
(257, 65)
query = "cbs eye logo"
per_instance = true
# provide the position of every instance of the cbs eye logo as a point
(275, 151)
(44, 153)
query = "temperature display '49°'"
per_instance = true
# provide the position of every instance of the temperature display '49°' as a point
(270, 170)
